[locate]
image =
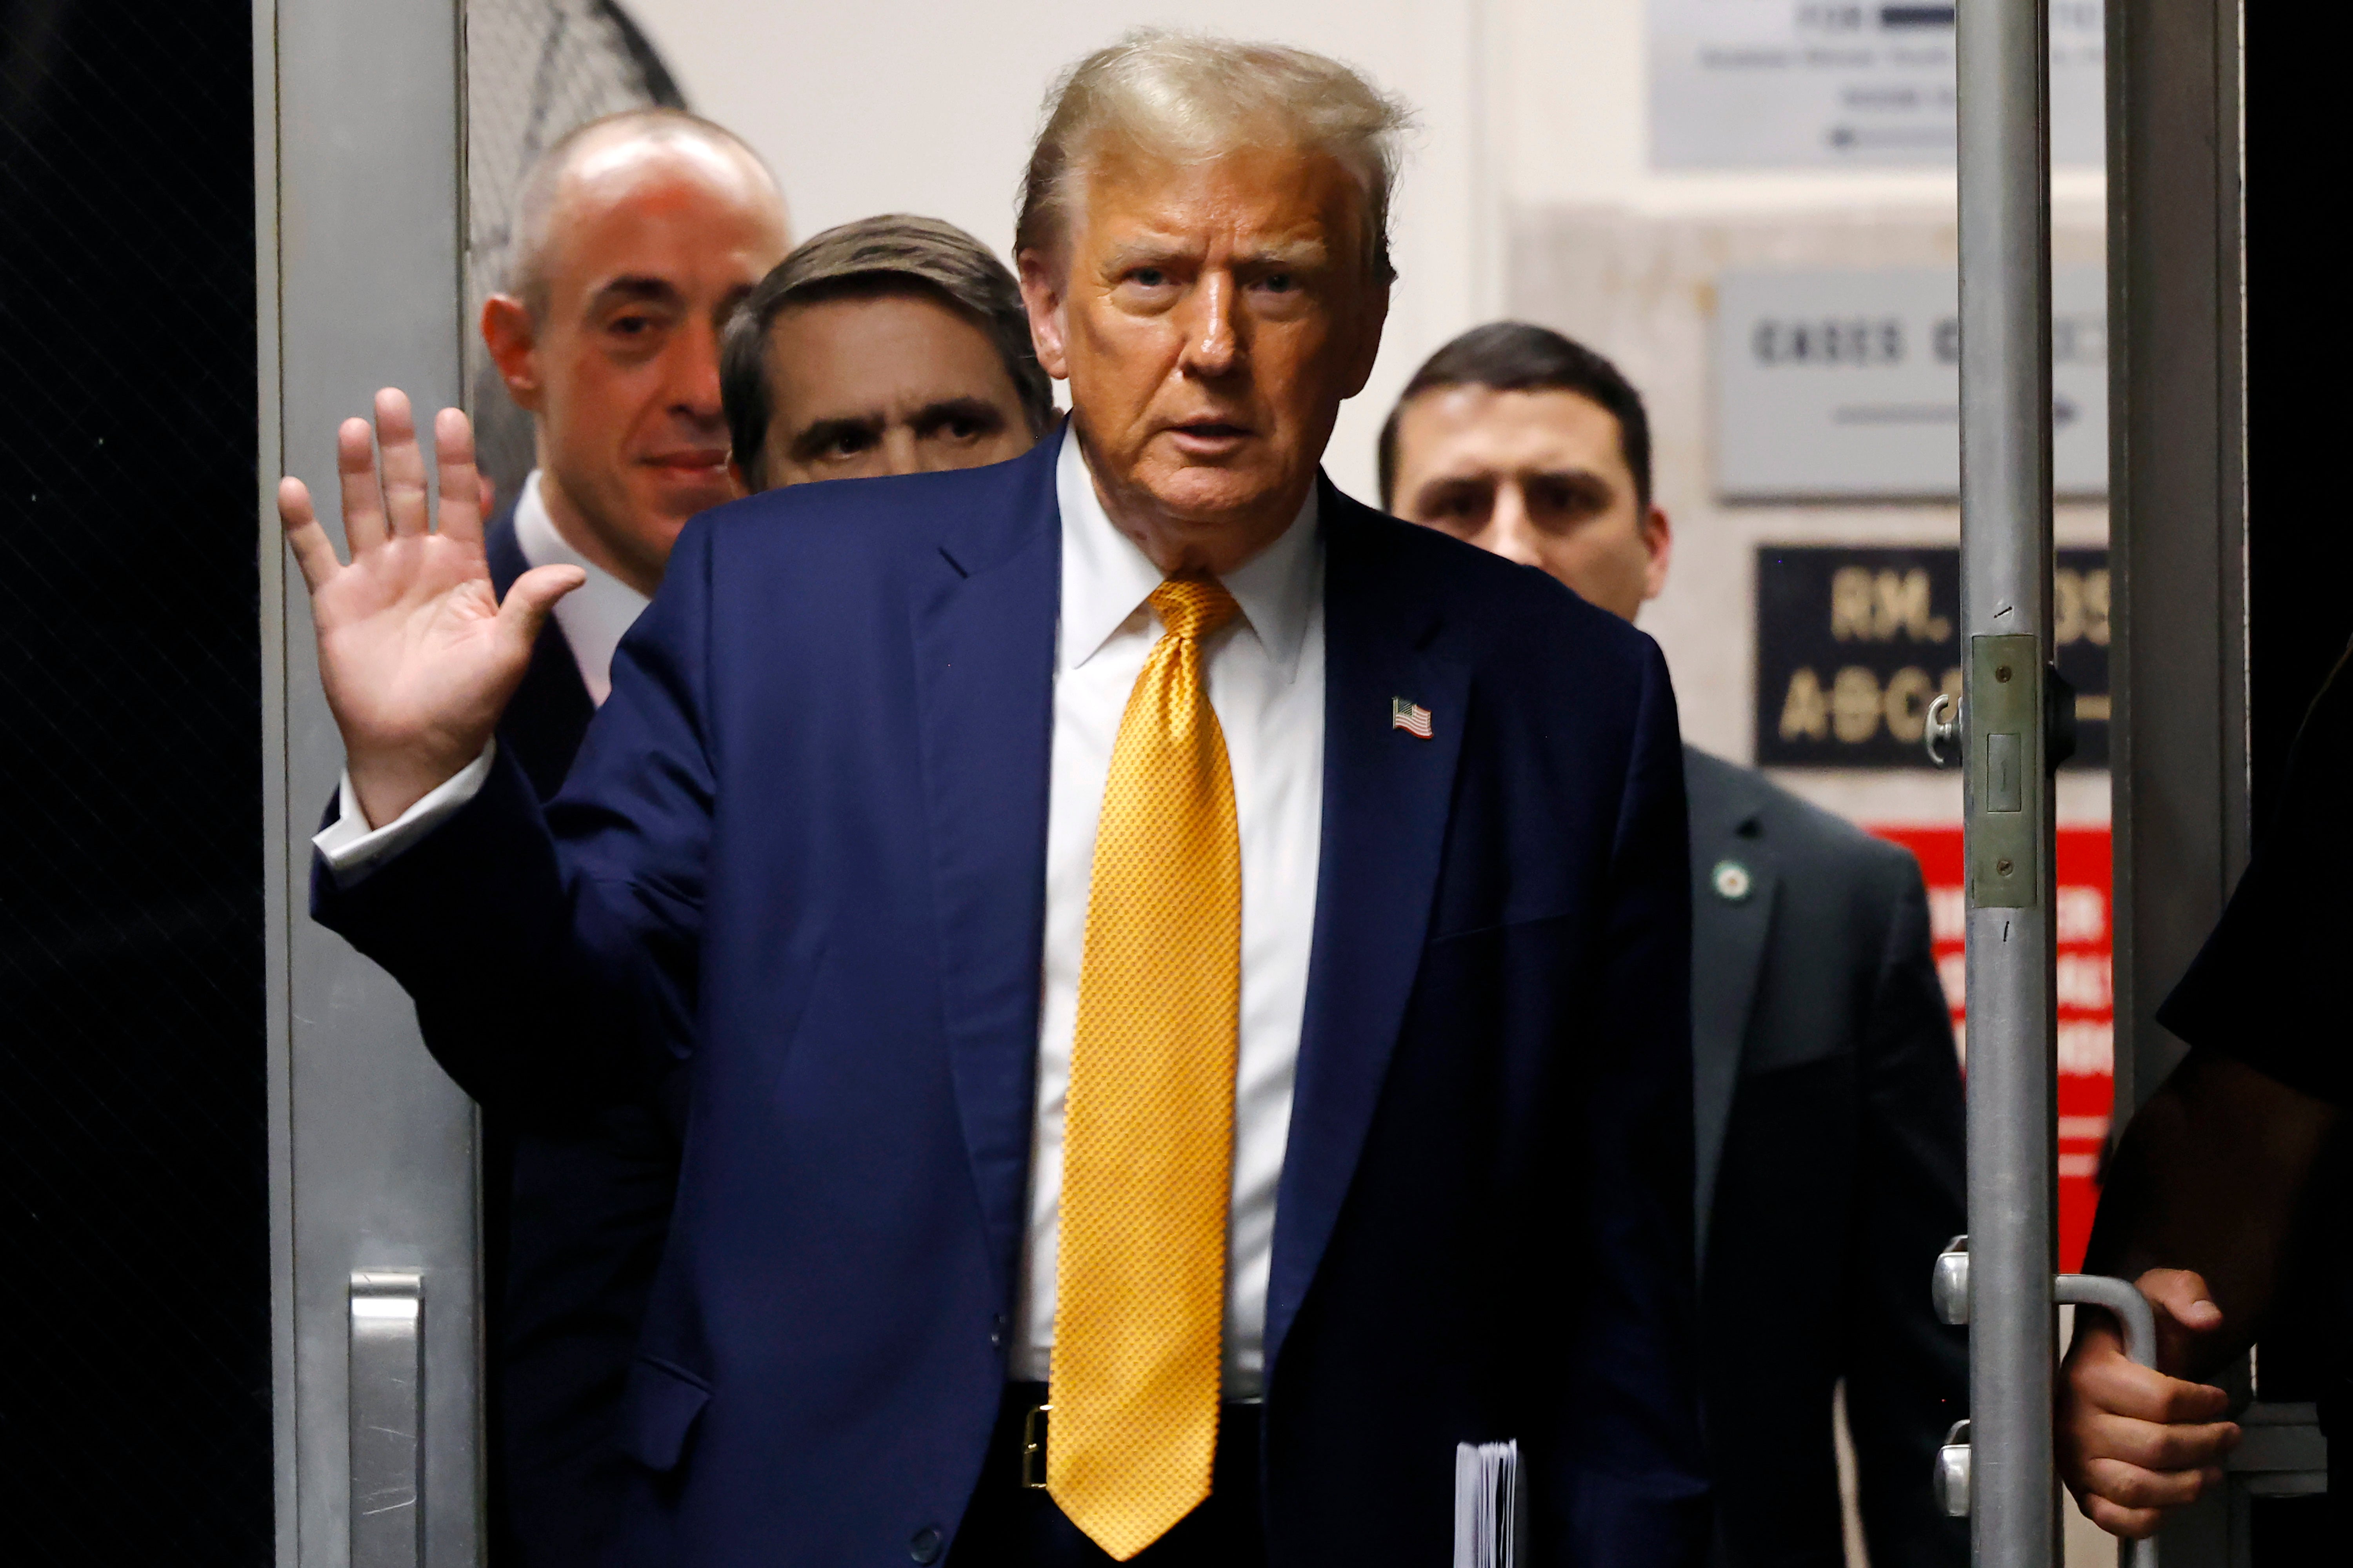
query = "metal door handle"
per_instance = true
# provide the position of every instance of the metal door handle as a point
(1949, 1285)
(1953, 1472)
(1942, 729)
(2140, 1319)
(387, 1418)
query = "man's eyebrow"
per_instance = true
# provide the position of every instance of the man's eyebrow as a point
(980, 411)
(1440, 484)
(1573, 474)
(633, 288)
(1146, 247)
(818, 434)
(1301, 255)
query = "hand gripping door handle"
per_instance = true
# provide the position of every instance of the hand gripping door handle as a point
(1950, 1288)
(2140, 1319)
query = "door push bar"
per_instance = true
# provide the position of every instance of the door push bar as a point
(1950, 1288)
(387, 1418)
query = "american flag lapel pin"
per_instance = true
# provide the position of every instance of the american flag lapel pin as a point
(1409, 716)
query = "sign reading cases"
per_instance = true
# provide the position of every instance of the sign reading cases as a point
(1845, 384)
(1853, 643)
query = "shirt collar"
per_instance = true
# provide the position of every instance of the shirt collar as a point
(1105, 578)
(593, 616)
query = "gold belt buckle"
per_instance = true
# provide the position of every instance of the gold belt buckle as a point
(1033, 1446)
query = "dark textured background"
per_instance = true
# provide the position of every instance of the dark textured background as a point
(135, 1409)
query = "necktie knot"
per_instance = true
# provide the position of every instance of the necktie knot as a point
(1193, 606)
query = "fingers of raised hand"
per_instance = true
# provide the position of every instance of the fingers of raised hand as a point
(533, 595)
(314, 552)
(404, 463)
(461, 489)
(364, 526)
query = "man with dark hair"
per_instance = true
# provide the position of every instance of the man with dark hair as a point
(908, 338)
(1827, 1101)
(891, 346)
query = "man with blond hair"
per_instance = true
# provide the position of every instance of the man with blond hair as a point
(1186, 975)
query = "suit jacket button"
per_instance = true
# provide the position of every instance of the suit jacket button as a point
(924, 1547)
(996, 1333)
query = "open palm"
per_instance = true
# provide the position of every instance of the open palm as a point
(418, 657)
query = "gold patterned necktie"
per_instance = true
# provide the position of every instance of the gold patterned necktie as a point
(1147, 1163)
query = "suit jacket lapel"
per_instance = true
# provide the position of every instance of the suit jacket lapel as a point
(984, 616)
(1728, 939)
(1386, 794)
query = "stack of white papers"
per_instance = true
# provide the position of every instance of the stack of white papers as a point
(1491, 1510)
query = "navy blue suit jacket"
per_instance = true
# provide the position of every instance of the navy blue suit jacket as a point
(577, 1200)
(812, 817)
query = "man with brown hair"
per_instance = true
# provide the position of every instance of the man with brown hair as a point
(888, 345)
(891, 346)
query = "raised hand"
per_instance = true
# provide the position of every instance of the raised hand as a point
(418, 657)
(2134, 1443)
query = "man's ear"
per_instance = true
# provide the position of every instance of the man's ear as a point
(1659, 537)
(1368, 346)
(1042, 295)
(513, 338)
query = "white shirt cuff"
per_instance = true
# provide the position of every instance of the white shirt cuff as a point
(352, 848)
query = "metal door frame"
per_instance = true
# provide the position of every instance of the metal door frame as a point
(2177, 530)
(359, 218)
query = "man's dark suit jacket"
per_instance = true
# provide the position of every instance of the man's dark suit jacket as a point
(1828, 1113)
(577, 1201)
(812, 817)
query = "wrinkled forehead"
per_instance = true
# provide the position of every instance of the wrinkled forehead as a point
(1271, 198)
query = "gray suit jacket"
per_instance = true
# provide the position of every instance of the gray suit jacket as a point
(1826, 1115)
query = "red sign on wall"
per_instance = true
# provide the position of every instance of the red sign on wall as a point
(2086, 1001)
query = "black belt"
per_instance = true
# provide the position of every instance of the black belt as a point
(1034, 1405)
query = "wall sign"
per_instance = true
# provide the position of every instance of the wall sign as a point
(2086, 999)
(1815, 84)
(1847, 384)
(1852, 644)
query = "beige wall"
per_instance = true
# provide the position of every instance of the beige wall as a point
(1529, 192)
(910, 106)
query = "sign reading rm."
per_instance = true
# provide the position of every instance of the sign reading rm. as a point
(1852, 644)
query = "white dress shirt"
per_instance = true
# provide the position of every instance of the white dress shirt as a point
(593, 617)
(1266, 683)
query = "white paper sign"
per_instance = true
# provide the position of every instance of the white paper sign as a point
(1847, 384)
(1816, 84)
